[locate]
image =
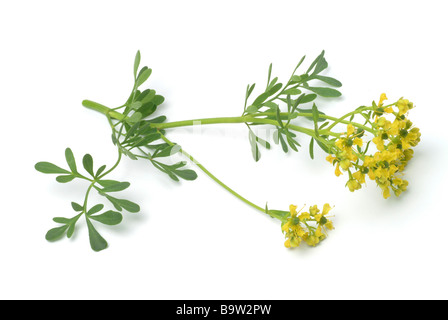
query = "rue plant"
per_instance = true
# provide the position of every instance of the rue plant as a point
(138, 136)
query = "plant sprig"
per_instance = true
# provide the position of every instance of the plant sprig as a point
(137, 134)
(96, 181)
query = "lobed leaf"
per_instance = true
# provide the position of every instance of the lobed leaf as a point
(65, 179)
(49, 168)
(87, 162)
(325, 92)
(136, 63)
(70, 158)
(97, 242)
(56, 233)
(110, 218)
(120, 186)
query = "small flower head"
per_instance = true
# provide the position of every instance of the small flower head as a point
(309, 227)
(394, 136)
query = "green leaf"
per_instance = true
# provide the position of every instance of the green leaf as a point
(146, 96)
(315, 119)
(71, 229)
(116, 187)
(136, 63)
(110, 218)
(249, 90)
(62, 220)
(120, 204)
(136, 116)
(146, 140)
(318, 58)
(292, 143)
(142, 77)
(321, 65)
(279, 119)
(157, 119)
(77, 207)
(263, 142)
(298, 65)
(49, 168)
(283, 143)
(251, 109)
(186, 174)
(331, 81)
(295, 79)
(292, 92)
(95, 209)
(87, 162)
(269, 73)
(254, 146)
(56, 233)
(308, 98)
(312, 148)
(100, 170)
(158, 100)
(325, 92)
(70, 160)
(135, 105)
(166, 151)
(107, 183)
(262, 97)
(322, 146)
(65, 179)
(97, 242)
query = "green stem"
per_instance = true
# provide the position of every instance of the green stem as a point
(341, 119)
(243, 119)
(185, 123)
(103, 109)
(113, 167)
(214, 178)
(323, 116)
(87, 197)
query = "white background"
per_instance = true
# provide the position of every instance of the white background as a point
(193, 240)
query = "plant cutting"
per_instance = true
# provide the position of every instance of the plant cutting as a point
(376, 142)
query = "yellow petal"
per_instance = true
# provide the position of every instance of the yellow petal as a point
(350, 129)
(337, 171)
(382, 98)
(292, 210)
(326, 209)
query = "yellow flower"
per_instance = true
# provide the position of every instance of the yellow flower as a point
(329, 225)
(345, 164)
(292, 210)
(359, 176)
(314, 210)
(350, 129)
(403, 106)
(312, 240)
(382, 98)
(326, 209)
(302, 229)
(388, 110)
(337, 171)
(304, 215)
(319, 233)
(379, 142)
(386, 193)
(353, 185)
(330, 158)
(357, 142)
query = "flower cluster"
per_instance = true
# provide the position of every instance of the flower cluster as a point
(310, 227)
(394, 138)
